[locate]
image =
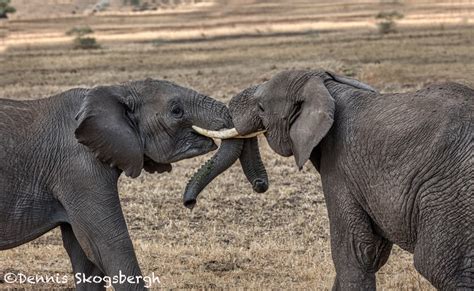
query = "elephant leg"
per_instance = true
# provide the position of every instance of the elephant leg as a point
(444, 251)
(81, 265)
(97, 221)
(357, 251)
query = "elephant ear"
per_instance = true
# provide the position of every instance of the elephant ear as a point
(352, 82)
(314, 118)
(106, 128)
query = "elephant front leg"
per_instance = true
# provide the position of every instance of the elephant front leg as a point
(81, 265)
(100, 229)
(357, 261)
(358, 253)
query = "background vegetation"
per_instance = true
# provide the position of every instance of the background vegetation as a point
(6, 8)
(234, 237)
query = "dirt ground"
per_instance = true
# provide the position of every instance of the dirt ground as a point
(235, 238)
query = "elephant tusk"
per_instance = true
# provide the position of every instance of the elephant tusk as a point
(253, 134)
(224, 134)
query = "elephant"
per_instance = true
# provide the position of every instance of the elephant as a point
(62, 156)
(395, 168)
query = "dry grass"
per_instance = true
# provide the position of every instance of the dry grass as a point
(236, 238)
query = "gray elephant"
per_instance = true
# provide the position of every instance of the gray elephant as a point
(395, 168)
(62, 156)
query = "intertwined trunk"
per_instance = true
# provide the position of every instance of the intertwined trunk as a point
(228, 153)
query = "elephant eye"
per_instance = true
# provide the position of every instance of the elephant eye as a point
(260, 107)
(177, 112)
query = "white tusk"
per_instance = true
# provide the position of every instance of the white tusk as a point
(253, 134)
(224, 134)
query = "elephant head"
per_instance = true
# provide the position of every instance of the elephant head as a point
(147, 124)
(294, 109)
(150, 124)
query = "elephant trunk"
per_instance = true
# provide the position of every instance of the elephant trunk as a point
(228, 153)
(249, 122)
(253, 167)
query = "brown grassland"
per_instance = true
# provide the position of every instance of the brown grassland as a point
(235, 238)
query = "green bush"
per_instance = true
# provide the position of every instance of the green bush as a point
(386, 26)
(81, 41)
(86, 43)
(386, 21)
(6, 9)
(159, 42)
(391, 15)
(131, 2)
(79, 31)
(102, 5)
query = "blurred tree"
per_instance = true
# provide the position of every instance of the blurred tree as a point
(82, 41)
(131, 2)
(102, 5)
(386, 21)
(5, 8)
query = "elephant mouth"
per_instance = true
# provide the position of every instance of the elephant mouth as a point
(151, 166)
(193, 149)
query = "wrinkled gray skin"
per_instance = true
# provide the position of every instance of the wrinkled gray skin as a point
(62, 156)
(395, 168)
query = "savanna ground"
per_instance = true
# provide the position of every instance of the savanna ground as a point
(234, 237)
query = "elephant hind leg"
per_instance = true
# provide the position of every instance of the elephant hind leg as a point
(447, 261)
(443, 267)
(81, 265)
(466, 278)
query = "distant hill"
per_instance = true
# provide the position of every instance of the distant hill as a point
(35, 9)
(54, 8)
